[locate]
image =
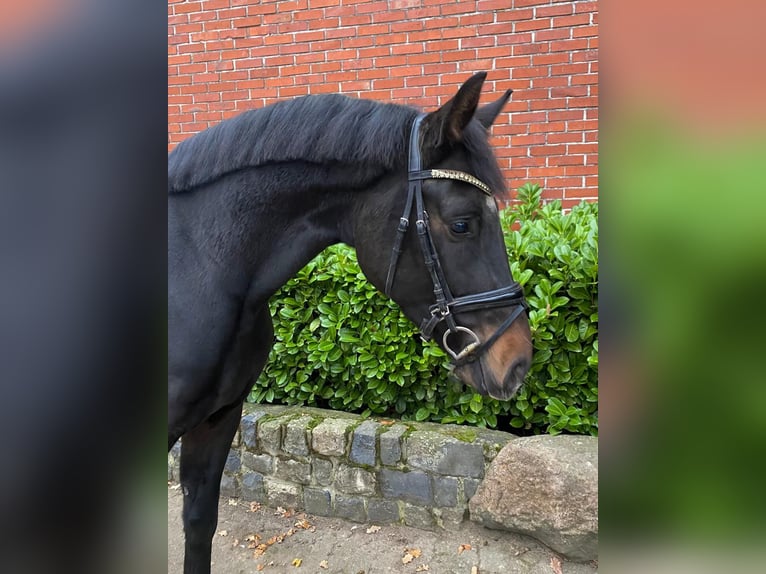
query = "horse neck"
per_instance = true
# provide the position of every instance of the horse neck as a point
(277, 218)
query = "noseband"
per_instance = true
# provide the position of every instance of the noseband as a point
(447, 306)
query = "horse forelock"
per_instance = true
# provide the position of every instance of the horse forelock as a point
(481, 157)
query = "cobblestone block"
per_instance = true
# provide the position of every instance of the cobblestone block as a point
(469, 487)
(232, 462)
(433, 451)
(411, 486)
(329, 437)
(445, 491)
(492, 442)
(382, 511)
(285, 494)
(247, 429)
(317, 501)
(292, 470)
(270, 436)
(391, 445)
(295, 439)
(418, 517)
(449, 518)
(363, 443)
(323, 472)
(252, 487)
(350, 508)
(354, 480)
(229, 486)
(263, 463)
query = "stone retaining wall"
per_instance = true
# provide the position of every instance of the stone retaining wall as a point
(331, 463)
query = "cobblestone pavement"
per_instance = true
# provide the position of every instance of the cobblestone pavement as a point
(321, 545)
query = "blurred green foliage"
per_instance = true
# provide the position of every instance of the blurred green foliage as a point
(340, 344)
(684, 281)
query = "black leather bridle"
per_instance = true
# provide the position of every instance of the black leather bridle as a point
(447, 306)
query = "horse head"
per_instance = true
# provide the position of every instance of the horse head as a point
(433, 243)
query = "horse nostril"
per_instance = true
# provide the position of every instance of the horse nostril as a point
(520, 368)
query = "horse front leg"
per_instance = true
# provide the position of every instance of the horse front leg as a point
(203, 456)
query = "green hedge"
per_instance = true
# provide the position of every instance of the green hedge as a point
(342, 345)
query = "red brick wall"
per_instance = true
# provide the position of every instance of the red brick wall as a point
(226, 56)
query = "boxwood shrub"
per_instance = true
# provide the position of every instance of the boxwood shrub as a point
(340, 344)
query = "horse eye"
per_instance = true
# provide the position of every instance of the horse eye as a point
(459, 227)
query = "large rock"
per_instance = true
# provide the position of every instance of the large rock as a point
(545, 487)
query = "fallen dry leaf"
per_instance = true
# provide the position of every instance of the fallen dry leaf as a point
(463, 547)
(236, 542)
(223, 533)
(556, 564)
(288, 513)
(422, 568)
(324, 565)
(260, 549)
(297, 562)
(233, 502)
(252, 540)
(373, 529)
(410, 554)
(260, 567)
(254, 507)
(304, 524)
(387, 423)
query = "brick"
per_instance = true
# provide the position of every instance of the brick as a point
(568, 21)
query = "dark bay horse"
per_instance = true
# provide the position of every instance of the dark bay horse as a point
(253, 199)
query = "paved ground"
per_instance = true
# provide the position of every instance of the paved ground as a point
(319, 545)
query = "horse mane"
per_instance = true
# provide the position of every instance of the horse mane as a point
(320, 129)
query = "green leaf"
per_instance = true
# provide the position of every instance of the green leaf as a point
(422, 414)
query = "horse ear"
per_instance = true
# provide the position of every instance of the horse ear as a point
(487, 114)
(446, 124)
